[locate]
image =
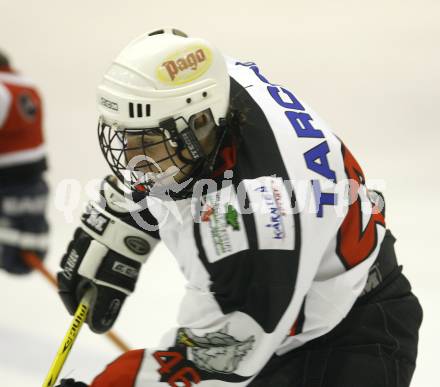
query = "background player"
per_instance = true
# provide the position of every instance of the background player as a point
(23, 191)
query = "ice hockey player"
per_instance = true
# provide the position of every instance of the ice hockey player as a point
(292, 276)
(23, 191)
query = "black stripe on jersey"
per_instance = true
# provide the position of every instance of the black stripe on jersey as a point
(229, 378)
(258, 153)
(257, 282)
(296, 222)
(249, 224)
(200, 248)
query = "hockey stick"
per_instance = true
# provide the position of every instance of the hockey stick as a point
(32, 260)
(69, 339)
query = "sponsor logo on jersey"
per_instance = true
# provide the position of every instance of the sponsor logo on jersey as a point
(137, 245)
(215, 351)
(185, 66)
(271, 204)
(221, 228)
(95, 220)
(273, 201)
(206, 213)
(109, 104)
(218, 226)
(232, 217)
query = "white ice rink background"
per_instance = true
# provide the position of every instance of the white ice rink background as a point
(370, 69)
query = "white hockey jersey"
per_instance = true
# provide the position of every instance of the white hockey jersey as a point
(275, 254)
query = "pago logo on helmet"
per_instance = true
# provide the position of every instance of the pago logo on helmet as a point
(185, 66)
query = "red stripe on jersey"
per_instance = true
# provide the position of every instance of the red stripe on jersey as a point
(22, 129)
(294, 328)
(122, 372)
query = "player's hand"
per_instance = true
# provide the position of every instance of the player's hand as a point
(70, 383)
(105, 256)
(23, 224)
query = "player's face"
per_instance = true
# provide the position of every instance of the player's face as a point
(161, 153)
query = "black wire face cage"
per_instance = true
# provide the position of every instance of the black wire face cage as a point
(159, 160)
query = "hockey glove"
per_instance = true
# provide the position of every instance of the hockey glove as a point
(71, 383)
(105, 256)
(23, 225)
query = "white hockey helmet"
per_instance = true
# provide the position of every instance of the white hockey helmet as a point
(159, 82)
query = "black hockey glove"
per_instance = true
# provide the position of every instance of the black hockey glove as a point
(23, 225)
(70, 383)
(105, 256)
